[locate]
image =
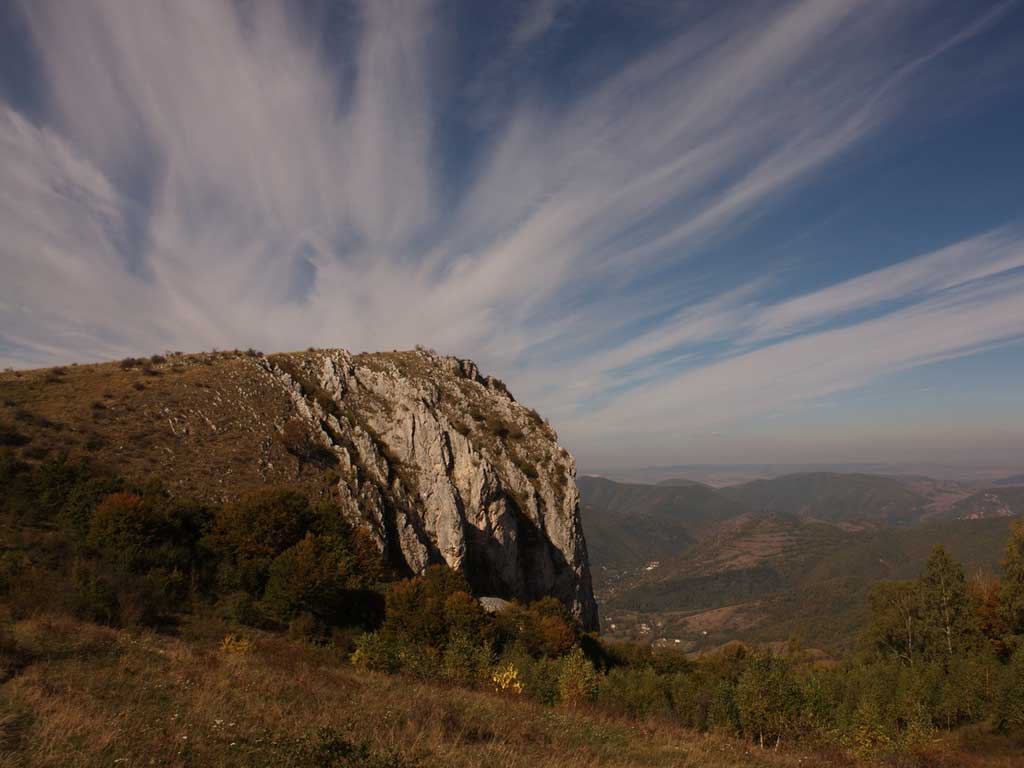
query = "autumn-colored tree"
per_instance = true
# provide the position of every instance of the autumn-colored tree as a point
(124, 529)
(250, 532)
(416, 612)
(985, 591)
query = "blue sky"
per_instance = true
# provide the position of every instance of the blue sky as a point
(686, 232)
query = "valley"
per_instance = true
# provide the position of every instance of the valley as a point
(682, 564)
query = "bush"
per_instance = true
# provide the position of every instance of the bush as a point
(250, 533)
(638, 693)
(544, 628)
(466, 660)
(375, 651)
(1009, 695)
(577, 679)
(240, 608)
(236, 644)
(314, 576)
(538, 678)
(416, 608)
(93, 596)
(506, 679)
(768, 699)
(307, 627)
(124, 529)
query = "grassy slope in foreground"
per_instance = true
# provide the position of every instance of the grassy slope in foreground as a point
(83, 695)
(79, 695)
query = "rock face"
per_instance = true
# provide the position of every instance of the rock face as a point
(442, 465)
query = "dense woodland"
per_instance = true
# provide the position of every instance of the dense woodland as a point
(940, 652)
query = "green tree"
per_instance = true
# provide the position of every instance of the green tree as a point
(1011, 593)
(947, 620)
(896, 624)
(311, 576)
(768, 699)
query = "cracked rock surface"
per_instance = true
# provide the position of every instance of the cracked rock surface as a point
(442, 465)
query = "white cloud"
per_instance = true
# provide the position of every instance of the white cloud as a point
(215, 174)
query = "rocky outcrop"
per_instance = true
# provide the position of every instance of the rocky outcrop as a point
(442, 465)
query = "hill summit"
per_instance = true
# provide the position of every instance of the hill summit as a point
(437, 462)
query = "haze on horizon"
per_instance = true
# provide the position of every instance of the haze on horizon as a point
(687, 233)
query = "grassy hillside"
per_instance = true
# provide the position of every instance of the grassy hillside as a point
(83, 696)
(210, 416)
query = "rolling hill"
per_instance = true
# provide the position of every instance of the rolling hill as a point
(834, 497)
(628, 525)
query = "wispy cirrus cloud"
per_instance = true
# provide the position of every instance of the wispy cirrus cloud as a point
(214, 174)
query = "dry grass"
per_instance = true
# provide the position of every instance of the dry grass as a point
(89, 696)
(212, 417)
(99, 697)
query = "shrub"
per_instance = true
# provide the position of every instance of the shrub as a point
(93, 596)
(466, 660)
(375, 651)
(1009, 697)
(638, 693)
(250, 533)
(75, 514)
(538, 677)
(416, 608)
(241, 608)
(577, 679)
(312, 576)
(541, 629)
(124, 529)
(236, 644)
(767, 699)
(307, 627)
(506, 679)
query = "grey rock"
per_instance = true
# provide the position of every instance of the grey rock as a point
(442, 465)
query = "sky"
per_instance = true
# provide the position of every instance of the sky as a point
(686, 232)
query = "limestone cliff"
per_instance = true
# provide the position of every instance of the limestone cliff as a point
(443, 466)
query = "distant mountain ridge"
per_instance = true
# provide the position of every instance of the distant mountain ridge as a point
(1012, 480)
(833, 497)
